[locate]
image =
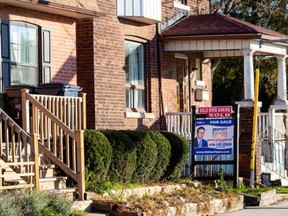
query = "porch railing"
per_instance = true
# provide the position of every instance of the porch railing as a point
(271, 133)
(61, 144)
(179, 122)
(19, 153)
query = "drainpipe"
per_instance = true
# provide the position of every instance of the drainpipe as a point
(159, 56)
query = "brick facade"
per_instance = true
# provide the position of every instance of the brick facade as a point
(245, 141)
(63, 39)
(106, 101)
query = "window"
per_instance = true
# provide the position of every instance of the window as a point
(198, 67)
(182, 1)
(134, 75)
(25, 54)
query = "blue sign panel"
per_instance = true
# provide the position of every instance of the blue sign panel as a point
(214, 136)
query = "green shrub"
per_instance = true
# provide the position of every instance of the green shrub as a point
(123, 162)
(146, 155)
(163, 155)
(179, 154)
(24, 203)
(98, 154)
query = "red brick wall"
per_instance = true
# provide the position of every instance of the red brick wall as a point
(63, 39)
(245, 141)
(108, 77)
(85, 65)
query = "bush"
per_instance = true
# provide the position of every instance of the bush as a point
(123, 162)
(22, 203)
(163, 155)
(179, 154)
(98, 154)
(146, 155)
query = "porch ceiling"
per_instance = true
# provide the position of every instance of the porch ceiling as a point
(71, 8)
(218, 35)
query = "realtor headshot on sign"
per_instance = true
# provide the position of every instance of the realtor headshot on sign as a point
(198, 140)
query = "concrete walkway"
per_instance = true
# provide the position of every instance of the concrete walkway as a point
(279, 209)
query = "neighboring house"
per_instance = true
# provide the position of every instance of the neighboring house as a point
(136, 60)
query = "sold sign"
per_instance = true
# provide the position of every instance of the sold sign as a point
(216, 111)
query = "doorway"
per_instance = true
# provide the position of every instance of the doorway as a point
(182, 85)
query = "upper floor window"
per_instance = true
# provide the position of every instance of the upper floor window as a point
(134, 74)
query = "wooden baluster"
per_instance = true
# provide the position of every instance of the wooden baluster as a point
(61, 144)
(54, 139)
(67, 150)
(6, 139)
(74, 159)
(35, 154)
(80, 163)
(83, 114)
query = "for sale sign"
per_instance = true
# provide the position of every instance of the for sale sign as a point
(214, 136)
(216, 111)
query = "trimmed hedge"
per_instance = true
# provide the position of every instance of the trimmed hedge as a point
(163, 155)
(146, 154)
(123, 162)
(98, 154)
(179, 154)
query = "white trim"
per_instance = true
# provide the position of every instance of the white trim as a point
(200, 83)
(180, 6)
(230, 46)
(181, 56)
(140, 115)
(249, 103)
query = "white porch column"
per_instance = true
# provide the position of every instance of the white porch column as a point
(248, 75)
(281, 80)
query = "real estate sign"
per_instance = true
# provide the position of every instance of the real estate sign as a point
(214, 136)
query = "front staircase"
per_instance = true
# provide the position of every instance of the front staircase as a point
(52, 135)
(271, 134)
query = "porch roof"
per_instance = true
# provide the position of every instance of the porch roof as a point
(221, 33)
(71, 8)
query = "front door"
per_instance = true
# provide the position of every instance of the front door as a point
(182, 85)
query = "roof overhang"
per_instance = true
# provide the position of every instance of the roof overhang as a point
(54, 8)
(220, 47)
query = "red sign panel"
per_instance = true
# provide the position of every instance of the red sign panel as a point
(216, 111)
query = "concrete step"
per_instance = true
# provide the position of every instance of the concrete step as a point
(46, 171)
(52, 183)
(69, 193)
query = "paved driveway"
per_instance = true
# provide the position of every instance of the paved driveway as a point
(279, 209)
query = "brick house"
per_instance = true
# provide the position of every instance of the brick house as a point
(134, 61)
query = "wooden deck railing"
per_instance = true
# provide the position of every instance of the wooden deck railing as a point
(52, 121)
(19, 152)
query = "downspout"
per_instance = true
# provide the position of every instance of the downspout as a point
(159, 61)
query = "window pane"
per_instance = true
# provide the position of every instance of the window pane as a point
(134, 63)
(128, 97)
(24, 54)
(24, 75)
(23, 44)
(138, 98)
